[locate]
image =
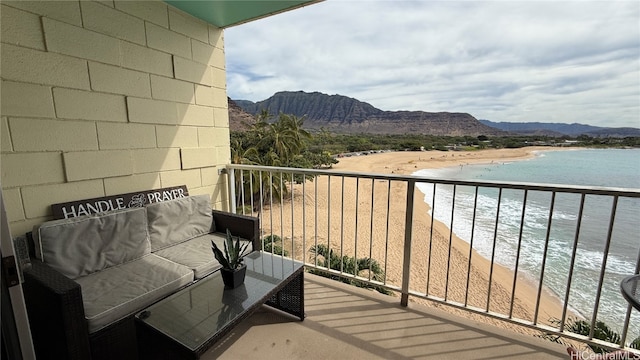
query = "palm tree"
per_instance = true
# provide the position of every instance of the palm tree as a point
(285, 137)
(325, 136)
(242, 155)
(279, 143)
(326, 257)
(293, 126)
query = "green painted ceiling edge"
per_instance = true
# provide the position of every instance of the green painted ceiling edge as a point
(225, 13)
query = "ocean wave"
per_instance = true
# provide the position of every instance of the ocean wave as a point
(502, 242)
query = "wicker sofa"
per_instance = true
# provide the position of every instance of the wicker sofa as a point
(91, 274)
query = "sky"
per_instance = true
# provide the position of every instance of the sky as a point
(507, 61)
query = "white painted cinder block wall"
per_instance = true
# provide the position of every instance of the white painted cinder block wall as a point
(108, 97)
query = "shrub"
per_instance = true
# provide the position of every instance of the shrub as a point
(273, 244)
(602, 331)
(350, 265)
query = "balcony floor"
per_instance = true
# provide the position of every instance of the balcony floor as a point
(345, 322)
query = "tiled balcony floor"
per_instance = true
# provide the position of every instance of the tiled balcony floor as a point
(345, 322)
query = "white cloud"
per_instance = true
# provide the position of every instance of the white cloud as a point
(571, 61)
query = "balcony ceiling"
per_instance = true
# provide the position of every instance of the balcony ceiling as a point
(225, 13)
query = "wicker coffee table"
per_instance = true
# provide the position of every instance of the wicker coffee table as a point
(187, 323)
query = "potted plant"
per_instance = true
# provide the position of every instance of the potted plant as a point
(233, 270)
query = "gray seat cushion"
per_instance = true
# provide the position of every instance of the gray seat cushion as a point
(175, 221)
(196, 254)
(119, 291)
(83, 245)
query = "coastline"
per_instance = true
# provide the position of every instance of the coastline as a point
(342, 217)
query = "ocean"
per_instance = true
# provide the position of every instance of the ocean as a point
(619, 168)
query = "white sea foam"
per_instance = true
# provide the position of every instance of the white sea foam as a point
(503, 243)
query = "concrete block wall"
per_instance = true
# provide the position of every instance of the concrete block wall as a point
(108, 97)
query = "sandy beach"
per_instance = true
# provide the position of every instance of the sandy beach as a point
(351, 217)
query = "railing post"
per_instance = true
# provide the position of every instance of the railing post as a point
(232, 190)
(408, 227)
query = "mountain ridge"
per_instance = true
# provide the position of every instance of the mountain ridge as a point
(239, 120)
(343, 114)
(561, 129)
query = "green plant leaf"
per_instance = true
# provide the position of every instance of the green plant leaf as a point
(233, 254)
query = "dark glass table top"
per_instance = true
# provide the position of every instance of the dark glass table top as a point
(630, 287)
(197, 313)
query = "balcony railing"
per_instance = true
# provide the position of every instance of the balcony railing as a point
(556, 254)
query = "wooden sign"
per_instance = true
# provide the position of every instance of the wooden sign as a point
(116, 202)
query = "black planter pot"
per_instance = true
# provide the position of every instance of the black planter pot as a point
(233, 278)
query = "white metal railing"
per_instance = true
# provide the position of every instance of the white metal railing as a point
(505, 225)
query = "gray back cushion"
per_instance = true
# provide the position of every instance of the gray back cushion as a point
(83, 245)
(175, 221)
